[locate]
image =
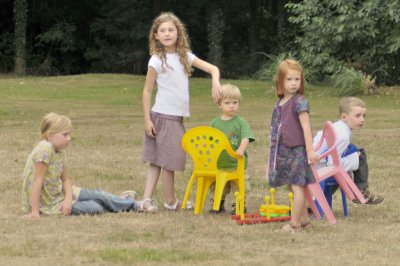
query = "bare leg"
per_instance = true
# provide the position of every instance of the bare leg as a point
(151, 183)
(169, 186)
(299, 214)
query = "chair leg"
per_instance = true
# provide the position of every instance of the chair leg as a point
(311, 203)
(319, 195)
(343, 184)
(353, 186)
(344, 203)
(188, 190)
(219, 190)
(323, 187)
(328, 195)
(203, 185)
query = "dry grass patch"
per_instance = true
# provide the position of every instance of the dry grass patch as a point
(106, 151)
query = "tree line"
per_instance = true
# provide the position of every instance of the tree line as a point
(56, 37)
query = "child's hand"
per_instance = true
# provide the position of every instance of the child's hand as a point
(216, 91)
(31, 216)
(66, 207)
(240, 152)
(313, 157)
(150, 129)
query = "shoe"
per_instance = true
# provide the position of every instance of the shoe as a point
(370, 198)
(221, 208)
(233, 211)
(152, 208)
(129, 194)
(177, 206)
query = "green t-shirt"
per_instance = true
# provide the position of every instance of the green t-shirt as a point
(236, 129)
(52, 193)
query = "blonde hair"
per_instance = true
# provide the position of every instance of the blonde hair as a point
(54, 123)
(229, 91)
(182, 43)
(283, 69)
(347, 103)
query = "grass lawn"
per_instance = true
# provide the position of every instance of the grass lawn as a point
(108, 133)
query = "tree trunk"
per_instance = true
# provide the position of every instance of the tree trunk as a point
(20, 20)
(253, 6)
(281, 23)
(215, 31)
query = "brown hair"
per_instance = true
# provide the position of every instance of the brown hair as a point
(182, 43)
(284, 67)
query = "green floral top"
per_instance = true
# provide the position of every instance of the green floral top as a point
(52, 193)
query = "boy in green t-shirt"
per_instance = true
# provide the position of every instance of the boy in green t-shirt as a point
(237, 131)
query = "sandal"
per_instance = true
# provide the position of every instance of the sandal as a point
(370, 198)
(289, 228)
(129, 194)
(177, 206)
(152, 208)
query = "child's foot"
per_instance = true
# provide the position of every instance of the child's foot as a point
(177, 206)
(233, 211)
(306, 225)
(147, 205)
(221, 208)
(289, 228)
(370, 198)
(129, 194)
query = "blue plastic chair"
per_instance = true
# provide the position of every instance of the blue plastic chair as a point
(328, 187)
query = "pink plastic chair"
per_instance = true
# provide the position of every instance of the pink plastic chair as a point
(336, 170)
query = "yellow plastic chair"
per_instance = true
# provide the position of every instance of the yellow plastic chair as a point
(205, 144)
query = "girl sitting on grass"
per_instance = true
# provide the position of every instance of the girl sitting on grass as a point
(47, 187)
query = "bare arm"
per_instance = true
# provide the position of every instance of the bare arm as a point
(66, 205)
(306, 125)
(243, 146)
(214, 72)
(40, 172)
(147, 91)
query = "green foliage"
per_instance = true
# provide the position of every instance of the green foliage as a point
(58, 42)
(351, 82)
(270, 67)
(347, 82)
(59, 37)
(6, 52)
(361, 34)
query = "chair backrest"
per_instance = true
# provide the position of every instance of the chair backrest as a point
(204, 144)
(329, 137)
